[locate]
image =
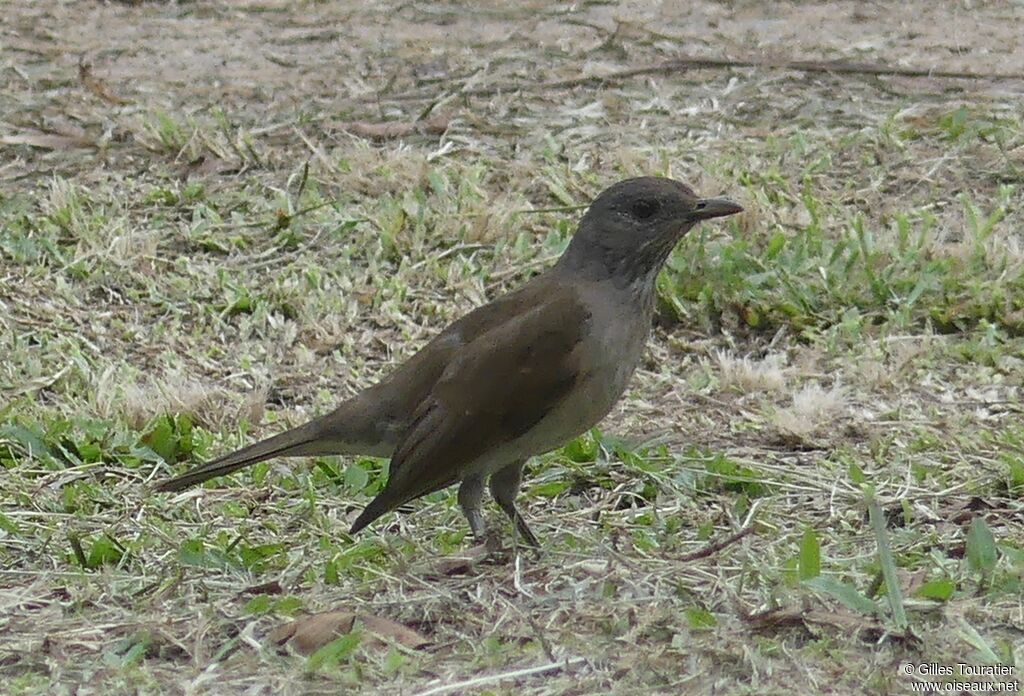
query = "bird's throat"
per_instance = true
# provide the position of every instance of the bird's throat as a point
(634, 270)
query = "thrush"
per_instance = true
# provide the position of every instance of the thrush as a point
(514, 378)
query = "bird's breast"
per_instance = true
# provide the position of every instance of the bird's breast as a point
(613, 349)
(608, 355)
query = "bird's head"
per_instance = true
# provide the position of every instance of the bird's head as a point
(631, 227)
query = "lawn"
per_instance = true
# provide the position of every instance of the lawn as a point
(220, 219)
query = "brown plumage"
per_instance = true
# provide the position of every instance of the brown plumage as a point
(513, 378)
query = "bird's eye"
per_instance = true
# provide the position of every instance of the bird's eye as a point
(645, 208)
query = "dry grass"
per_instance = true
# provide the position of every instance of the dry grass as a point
(198, 247)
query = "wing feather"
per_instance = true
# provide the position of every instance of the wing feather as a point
(499, 386)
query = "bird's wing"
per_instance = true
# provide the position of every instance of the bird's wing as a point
(498, 387)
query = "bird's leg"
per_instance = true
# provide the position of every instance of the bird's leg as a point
(504, 485)
(470, 493)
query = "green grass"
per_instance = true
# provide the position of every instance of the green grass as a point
(835, 374)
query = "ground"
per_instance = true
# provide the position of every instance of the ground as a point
(218, 219)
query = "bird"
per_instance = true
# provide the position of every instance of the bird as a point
(511, 379)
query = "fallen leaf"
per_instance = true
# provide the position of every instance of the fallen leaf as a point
(209, 164)
(964, 512)
(794, 616)
(867, 628)
(462, 563)
(386, 628)
(488, 551)
(310, 633)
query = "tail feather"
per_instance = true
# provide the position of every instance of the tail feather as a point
(305, 440)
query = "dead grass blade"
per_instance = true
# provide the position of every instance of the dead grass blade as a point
(686, 63)
(95, 85)
(48, 141)
(435, 125)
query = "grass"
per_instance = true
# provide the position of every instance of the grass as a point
(834, 379)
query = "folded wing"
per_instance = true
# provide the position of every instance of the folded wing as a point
(501, 385)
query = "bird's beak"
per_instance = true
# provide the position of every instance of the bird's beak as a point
(708, 208)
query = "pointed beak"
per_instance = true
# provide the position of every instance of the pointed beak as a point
(708, 208)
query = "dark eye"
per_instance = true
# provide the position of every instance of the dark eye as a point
(645, 208)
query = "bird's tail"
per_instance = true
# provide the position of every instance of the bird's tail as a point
(308, 439)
